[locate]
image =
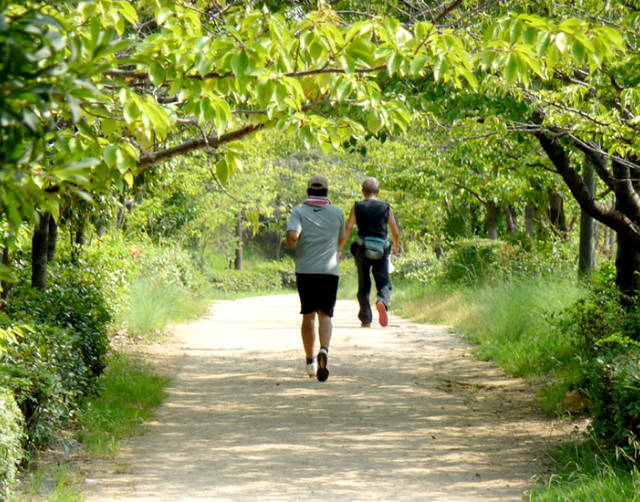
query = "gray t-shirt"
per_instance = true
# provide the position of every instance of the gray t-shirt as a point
(320, 227)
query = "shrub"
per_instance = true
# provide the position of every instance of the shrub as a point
(609, 358)
(237, 281)
(613, 382)
(45, 374)
(10, 442)
(73, 302)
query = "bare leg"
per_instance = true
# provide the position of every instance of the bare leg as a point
(325, 330)
(308, 331)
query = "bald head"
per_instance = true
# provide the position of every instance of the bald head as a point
(371, 186)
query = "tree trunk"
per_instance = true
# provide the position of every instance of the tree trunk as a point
(239, 237)
(627, 268)
(4, 294)
(81, 236)
(530, 220)
(492, 220)
(556, 213)
(587, 254)
(52, 240)
(624, 219)
(39, 252)
(512, 219)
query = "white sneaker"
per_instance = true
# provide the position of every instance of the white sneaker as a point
(312, 369)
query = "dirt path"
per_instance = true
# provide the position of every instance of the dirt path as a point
(407, 415)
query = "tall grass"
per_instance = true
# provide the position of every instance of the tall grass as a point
(155, 304)
(129, 391)
(586, 474)
(508, 321)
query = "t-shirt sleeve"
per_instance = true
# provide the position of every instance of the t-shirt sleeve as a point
(341, 225)
(295, 222)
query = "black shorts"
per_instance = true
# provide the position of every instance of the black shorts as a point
(317, 292)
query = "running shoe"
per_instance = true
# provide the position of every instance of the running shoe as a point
(382, 311)
(323, 371)
(312, 369)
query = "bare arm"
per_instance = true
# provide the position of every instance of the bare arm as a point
(292, 238)
(347, 231)
(395, 232)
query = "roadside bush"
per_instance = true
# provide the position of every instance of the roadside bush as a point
(285, 268)
(10, 442)
(608, 358)
(613, 382)
(237, 281)
(475, 260)
(75, 303)
(46, 375)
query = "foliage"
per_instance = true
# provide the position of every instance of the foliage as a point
(128, 392)
(508, 321)
(74, 303)
(47, 375)
(607, 359)
(613, 384)
(10, 441)
(236, 281)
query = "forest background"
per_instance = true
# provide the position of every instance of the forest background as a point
(152, 151)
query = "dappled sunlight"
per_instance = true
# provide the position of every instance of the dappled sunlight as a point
(406, 411)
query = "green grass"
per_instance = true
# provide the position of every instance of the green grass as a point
(129, 391)
(582, 473)
(507, 321)
(155, 305)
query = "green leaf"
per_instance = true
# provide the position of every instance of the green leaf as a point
(128, 177)
(374, 122)
(562, 42)
(156, 74)
(239, 64)
(348, 65)
(553, 56)
(578, 50)
(511, 69)
(128, 12)
(110, 155)
(316, 51)
(222, 171)
(418, 64)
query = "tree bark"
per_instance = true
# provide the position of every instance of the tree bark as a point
(530, 220)
(4, 294)
(556, 213)
(52, 239)
(239, 237)
(627, 268)
(492, 220)
(39, 252)
(587, 253)
(512, 219)
(621, 218)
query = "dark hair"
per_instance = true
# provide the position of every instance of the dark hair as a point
(318, 192)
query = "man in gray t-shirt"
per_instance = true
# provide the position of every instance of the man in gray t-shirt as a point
(314, 230)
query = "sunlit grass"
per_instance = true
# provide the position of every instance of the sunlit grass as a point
(154, 305)
(585, 474)
(129, 391)
(507, 321)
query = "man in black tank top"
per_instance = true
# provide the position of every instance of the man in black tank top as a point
(372, 217)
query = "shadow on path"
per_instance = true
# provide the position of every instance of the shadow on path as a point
(407, 415)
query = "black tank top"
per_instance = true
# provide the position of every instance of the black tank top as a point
(372, 217)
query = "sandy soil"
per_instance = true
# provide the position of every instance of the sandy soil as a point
(407, 415)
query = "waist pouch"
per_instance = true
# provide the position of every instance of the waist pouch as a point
(374, 247)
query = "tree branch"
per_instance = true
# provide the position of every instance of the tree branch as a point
(196, 144)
